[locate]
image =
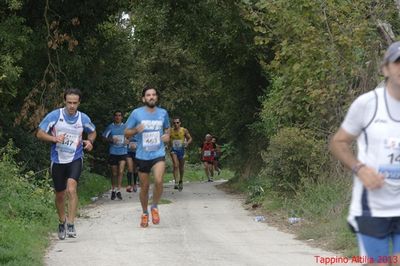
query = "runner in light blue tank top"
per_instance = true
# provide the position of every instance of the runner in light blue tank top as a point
(115, 132)
(149, 143)
(151, 126)
(114, 135)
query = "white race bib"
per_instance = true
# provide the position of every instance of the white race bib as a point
(177, 144)
(69, 144)
(207, 153)
(151, 140)
(120, 139)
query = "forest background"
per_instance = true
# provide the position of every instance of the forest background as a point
(271, 79)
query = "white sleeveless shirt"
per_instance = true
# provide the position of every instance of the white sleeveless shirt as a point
(375, 118)
(71, 148)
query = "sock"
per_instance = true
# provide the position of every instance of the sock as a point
(135, 178)
(146, 212)
(153, 206)
(129, 176)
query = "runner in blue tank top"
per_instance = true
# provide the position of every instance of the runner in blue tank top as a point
(151, 126)
(114, 135)
(63, 128)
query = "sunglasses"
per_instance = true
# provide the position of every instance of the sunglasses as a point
(177, 122)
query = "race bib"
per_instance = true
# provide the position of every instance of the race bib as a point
(151, 140)
(390, 171)
(177, 144)
(69, 144)
(120, 139)
(207, 153)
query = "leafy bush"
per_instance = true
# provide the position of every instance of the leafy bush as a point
(293, 156)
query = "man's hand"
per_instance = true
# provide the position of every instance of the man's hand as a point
(165, 138)
(132, 146)
(59, 138)
(140, 128)
(87, 145)
(370, 178)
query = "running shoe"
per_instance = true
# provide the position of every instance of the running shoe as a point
(210, 180)
(113, 195)
(176, 186)
(180, 186)
(129, 189)
(61, 231)
(155, 216)
(71, 230)
(119, 195)
(134, 188)
(144, 221)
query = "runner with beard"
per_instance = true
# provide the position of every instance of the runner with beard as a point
(150, 125)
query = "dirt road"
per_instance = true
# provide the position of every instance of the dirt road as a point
(202, 226)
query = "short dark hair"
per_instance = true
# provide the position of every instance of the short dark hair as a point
(118, 111)
(75, 91)
(176, 117)
(148, 87)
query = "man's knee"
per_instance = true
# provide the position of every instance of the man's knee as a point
(60, 196)
(71, 191)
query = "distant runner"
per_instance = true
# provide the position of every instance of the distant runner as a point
(64, 127)
(207, 157)
(114, 135)
(151, 126)
(179, 140)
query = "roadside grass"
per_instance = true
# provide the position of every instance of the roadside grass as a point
(28, 215)
(322, 207)
(91, 185)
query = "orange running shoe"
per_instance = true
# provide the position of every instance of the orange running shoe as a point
(144, 221)
(155, 216)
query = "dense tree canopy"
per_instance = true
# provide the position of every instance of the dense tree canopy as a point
(242, 70)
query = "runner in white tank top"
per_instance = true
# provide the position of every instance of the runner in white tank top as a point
(373, 120)
(63, 128)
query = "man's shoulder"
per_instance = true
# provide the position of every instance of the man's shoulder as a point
(368, 97)
(138, 110)
(54, 115)
(162, 110)
(110, 125)
(84, 115)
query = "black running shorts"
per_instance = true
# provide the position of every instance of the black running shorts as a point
(146, 165)
(61, 172)
(115, 159)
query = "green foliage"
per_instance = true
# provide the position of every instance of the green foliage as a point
(293, 157)
(13, 43)
(200, 55)
(91, 185)
(27, 211)
(324, 53)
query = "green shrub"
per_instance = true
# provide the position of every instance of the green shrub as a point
(293, 156)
